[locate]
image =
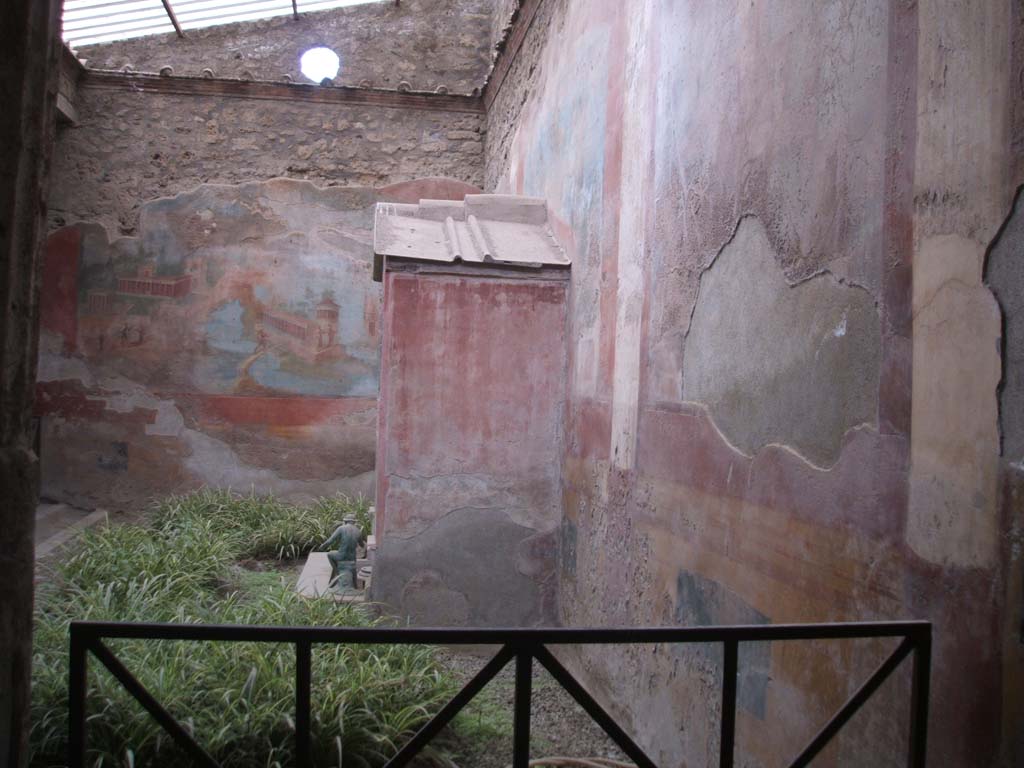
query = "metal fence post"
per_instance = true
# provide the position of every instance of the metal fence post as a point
(77, 671)
(919, 697)
(303, 663)
(521, 717)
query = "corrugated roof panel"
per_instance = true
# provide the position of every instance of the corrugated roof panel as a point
(503, 230)
(98, 21)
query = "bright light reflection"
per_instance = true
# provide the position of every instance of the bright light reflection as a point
(101, 21)
(318, 63)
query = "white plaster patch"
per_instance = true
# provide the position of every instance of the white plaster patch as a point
(637, 142)
(952, 517)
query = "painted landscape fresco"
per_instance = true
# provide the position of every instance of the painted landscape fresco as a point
(253, 290)
(233, 342)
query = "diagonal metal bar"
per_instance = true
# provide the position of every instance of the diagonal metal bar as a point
(145, 698)
(853, 704)
(730, 669)
(451, 709)
(172, 17)
(592, 708)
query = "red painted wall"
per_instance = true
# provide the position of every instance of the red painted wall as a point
(470, 423)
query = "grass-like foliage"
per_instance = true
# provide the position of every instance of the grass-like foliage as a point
(238, 698)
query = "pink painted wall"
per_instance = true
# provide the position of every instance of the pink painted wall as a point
(469, 446)
(770, 416)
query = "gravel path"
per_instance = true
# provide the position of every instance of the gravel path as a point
(558, 725)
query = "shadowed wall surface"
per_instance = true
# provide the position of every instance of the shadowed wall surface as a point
(772, 415)
(28, 89)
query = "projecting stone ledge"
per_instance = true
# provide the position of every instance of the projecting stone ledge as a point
(315, 580)
(505, 230)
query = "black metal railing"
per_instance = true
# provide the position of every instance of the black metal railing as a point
(521, 645)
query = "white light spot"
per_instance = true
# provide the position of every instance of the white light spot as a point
(320, 63)
(840, 330)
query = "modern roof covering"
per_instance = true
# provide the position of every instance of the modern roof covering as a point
(503, 230)
(99, 21)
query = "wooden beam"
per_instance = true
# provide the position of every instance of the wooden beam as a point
(172, 17)
(269, 91)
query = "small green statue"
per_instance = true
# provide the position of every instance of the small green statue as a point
(348, 537)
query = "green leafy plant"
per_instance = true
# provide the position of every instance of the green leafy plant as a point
(237, 698)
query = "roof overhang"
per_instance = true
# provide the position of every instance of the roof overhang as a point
(503, 230)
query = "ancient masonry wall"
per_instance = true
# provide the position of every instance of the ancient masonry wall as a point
(129, 147)
(785, 367)
(524, 75)
(172, 355)
(428, 44)
(501, 19)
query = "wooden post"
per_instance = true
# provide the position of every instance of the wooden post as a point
(29, 48)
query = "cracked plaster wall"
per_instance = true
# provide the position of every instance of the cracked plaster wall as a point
(469, 446)
(841, 143)
(425, 43)
(821, 338)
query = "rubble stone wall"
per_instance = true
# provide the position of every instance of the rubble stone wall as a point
(130, 147)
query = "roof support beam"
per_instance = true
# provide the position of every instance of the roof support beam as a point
(172, 17)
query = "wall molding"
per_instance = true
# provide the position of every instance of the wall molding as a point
(268, 91)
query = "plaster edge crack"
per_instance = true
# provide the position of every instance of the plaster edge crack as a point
(821, 272)
(774, 445)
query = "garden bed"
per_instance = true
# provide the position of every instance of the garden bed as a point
(216, 557)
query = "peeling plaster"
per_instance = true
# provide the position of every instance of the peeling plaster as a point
(214, 463)
(471, 562)
(802, 360)
(1004, 274)
(238, 377)
(421, 501)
